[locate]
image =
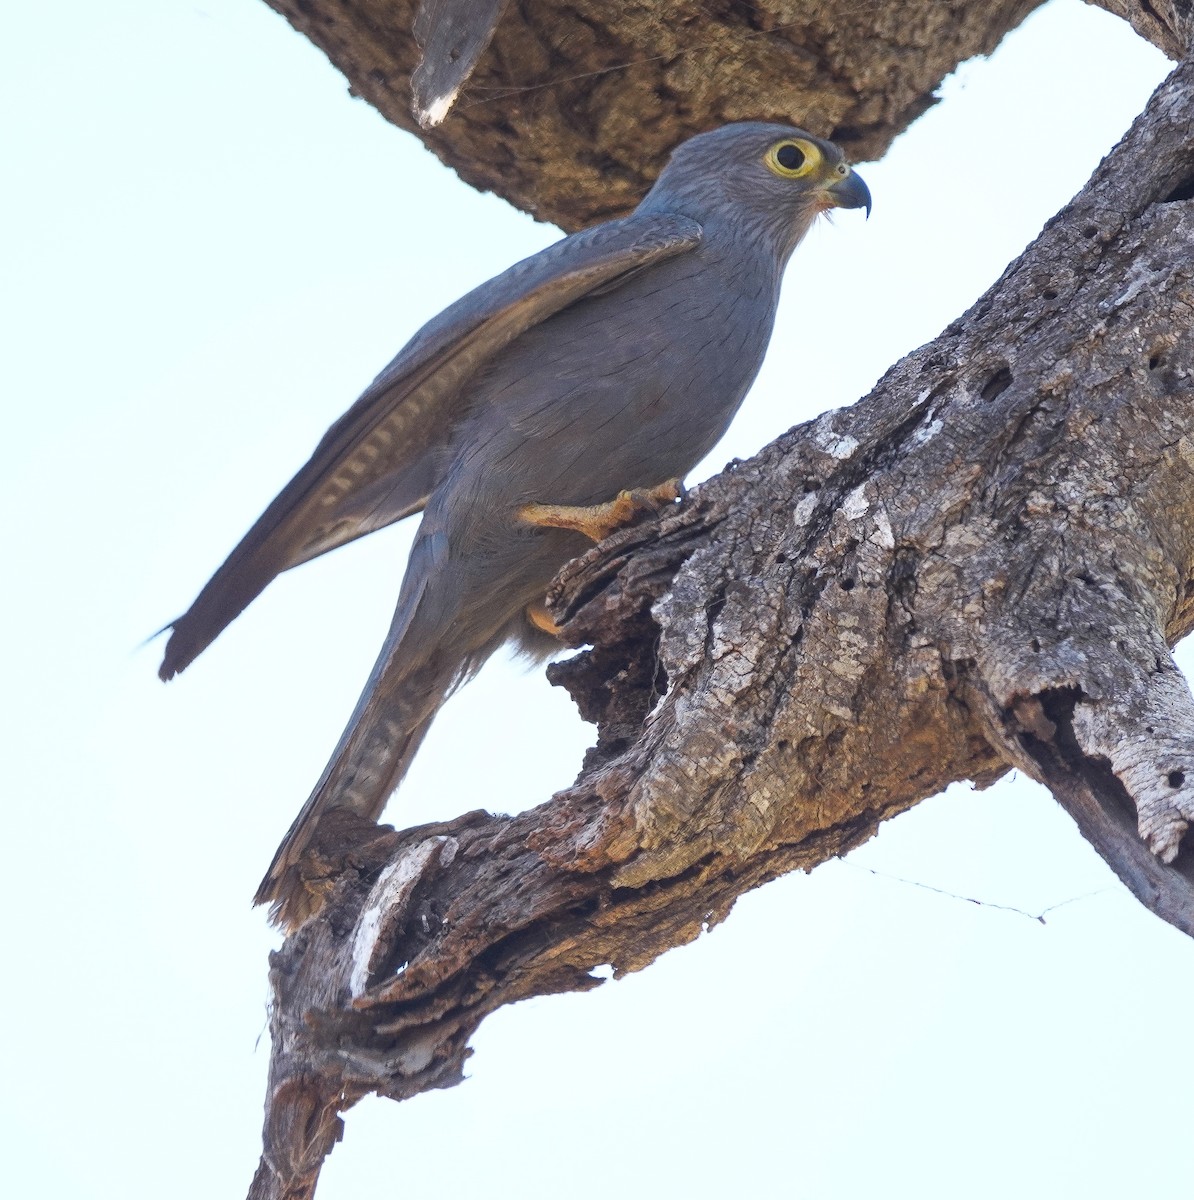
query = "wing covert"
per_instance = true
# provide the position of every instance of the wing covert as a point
(378, 462)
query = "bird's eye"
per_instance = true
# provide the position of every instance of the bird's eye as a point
(793, 158)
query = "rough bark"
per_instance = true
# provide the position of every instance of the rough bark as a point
(980, 565)
(573, 107)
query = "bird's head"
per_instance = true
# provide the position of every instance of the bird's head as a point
(773, 178)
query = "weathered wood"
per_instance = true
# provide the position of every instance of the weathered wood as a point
(1168, 24)
(451, 35)
(981, 564)
(572, 109)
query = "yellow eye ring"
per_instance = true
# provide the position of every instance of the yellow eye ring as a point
(793, 158)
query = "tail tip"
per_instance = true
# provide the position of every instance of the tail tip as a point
(172, 662)
(292, 900)
(181, 649)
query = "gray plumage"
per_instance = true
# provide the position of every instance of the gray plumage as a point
(612, 360)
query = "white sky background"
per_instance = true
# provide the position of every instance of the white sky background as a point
(210, 249)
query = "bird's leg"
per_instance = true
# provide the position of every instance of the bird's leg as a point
(598, 521)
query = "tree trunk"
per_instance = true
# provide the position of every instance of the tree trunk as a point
(980, 565)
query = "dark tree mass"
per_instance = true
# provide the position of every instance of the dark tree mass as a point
(573, 108)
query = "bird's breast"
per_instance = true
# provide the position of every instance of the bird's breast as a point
(622, 390)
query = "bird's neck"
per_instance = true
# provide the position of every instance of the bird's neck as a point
(729, 227)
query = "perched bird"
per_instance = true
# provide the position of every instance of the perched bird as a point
(526, 420)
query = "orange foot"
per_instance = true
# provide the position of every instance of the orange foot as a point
(598, 521)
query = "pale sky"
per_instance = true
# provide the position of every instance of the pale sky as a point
(211, 249)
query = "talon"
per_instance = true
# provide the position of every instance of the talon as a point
(598, 521)
(667, 493)
(538, 616)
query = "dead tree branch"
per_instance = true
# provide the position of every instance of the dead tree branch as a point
(982, 564)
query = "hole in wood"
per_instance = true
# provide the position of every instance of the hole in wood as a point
(1183, 191)
(997, 384)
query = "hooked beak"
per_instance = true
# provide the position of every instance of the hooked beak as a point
(850, 192)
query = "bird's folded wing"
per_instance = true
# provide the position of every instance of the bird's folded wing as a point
(378, 462)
